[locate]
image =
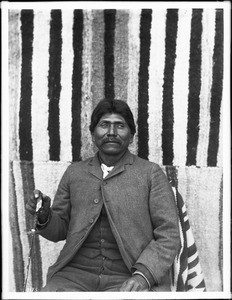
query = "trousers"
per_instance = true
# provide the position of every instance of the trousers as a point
(96, 274)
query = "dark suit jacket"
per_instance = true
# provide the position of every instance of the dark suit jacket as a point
(140, 206)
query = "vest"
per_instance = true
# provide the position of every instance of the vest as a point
(100, 247)
(99, 253)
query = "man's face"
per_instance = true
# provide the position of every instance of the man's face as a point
(112, 135)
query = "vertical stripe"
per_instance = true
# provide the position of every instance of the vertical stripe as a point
(9, 279)
(77, 84)
(221, 144)
(121, 55)
(18, 263)
(25, 147)
(14, 46)
(86, 109)
(39, 109)
(145, 41)
(167, 109)
(66, 90)
(181, 87)
(36, 263)
(133, 62)
(172, 174)
(220, 216)
(207, 44)
(194, 86)
(156, 71)
(109, 19)
(216, 92)
(54, 85)
(98, 70)
(16, 169)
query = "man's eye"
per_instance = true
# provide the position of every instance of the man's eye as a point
(103, 125)
(106, 125)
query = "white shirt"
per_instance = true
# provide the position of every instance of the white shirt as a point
(106, 170)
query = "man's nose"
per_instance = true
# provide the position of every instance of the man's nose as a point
(112, 130)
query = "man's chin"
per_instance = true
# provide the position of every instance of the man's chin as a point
(111, 150)
(111, 147)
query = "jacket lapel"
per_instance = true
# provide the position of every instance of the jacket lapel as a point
(95, 167)
(128, 158)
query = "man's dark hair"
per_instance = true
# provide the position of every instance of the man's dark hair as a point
(108, 106)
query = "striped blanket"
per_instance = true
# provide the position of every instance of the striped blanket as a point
(166, 63)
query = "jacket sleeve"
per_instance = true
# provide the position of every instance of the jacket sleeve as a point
(159, 254)
(57, 227)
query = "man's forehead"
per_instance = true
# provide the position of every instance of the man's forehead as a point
(112, 118)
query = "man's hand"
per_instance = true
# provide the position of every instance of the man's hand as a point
(44, 211)
(135, 284)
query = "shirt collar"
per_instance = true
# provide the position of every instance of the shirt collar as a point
(106, 170)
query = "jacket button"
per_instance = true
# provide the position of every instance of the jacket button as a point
(96, 201)
(91, 221)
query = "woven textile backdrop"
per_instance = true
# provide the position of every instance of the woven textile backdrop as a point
(166, 63)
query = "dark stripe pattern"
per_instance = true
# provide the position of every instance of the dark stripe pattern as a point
(109, 18)
(194, 86)
(172, 177)
(54, 85)
(77, 84)
(15, 231)
(143, 98)
(170, 56)
(107, 51)
(216, 93)
(27, 171)
(182, 286)
(25, 137)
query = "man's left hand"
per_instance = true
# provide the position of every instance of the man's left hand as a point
(135, 284)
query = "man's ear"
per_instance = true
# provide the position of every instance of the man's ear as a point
(131, 138)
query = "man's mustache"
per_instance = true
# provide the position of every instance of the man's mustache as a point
(111, 140)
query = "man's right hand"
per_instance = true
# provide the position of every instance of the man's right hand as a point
(43, 212)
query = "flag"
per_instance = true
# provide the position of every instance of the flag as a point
(187, 271)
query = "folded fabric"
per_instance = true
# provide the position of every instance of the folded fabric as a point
(187, 272)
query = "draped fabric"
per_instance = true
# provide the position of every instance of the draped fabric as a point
(166, 63)
(187, 272)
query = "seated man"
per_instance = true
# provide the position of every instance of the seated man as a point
(116, 212)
